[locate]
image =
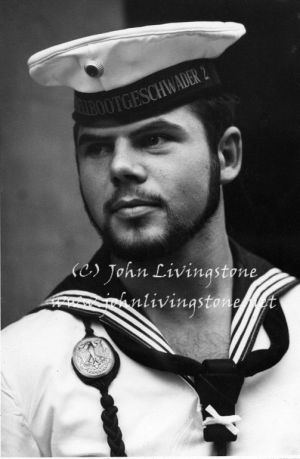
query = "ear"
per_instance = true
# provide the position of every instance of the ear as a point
(230, 154)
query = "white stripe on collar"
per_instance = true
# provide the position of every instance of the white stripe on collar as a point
(116, 312)
(247, 317)
(109, 301)
(120, 314)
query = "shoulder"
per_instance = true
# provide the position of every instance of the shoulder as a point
(38, 342)
(39, 327)
(290, 303)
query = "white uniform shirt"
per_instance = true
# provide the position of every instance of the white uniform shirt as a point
(48, 411)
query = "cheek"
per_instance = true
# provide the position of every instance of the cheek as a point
(93, 184)
(90, 174)
(190, 186)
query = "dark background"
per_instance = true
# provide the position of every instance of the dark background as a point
(263, 206)
(45, 230)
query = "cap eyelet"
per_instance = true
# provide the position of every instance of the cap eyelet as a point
(94, 69)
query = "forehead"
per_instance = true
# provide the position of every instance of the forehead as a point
(182, 118)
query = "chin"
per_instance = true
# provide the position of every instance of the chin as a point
(140, 245)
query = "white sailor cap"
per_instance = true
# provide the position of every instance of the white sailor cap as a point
(139, 72)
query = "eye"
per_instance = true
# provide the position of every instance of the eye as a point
(153, 141)
(98, 149)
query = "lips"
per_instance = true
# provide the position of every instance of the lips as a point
(133, 208)
(131, 203)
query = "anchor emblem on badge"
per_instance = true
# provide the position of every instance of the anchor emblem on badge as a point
(93, 357)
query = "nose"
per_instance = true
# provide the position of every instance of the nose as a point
(126, 164)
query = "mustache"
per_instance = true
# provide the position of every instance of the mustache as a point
(133, 193)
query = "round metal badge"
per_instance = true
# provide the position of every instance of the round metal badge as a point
(93, 357)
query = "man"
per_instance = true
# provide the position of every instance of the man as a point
(179, 331)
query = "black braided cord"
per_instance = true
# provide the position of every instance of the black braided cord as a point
(109, 414)
(111, 426)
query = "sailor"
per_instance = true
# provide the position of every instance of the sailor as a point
(138, 365)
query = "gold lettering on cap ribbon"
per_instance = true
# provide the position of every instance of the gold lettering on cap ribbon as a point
(144, 95)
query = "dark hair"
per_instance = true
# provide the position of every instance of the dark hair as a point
(217, 113)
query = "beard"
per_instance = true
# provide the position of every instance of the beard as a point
(177, 232)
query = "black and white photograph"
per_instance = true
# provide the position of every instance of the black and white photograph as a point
(150, 228)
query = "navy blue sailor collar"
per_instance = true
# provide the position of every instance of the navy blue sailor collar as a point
(256, 298)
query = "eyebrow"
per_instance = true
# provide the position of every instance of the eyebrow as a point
(154, 126)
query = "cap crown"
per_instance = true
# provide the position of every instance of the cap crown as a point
(123, 57)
